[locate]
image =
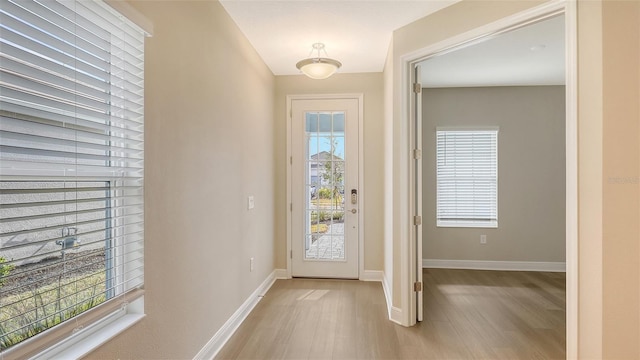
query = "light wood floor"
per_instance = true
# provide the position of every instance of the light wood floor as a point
(468, 315)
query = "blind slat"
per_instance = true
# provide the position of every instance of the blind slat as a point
(71, 45)
(61, 16)
(43, 254)
(35, 60)
(84, 255)
(48, 128)
(43, 143)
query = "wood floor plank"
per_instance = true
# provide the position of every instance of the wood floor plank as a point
(468, 315)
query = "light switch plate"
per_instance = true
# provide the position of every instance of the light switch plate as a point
(250, 202)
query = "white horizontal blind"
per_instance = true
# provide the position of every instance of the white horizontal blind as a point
(71, 161)
(467, 178)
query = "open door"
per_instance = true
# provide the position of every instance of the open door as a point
(417, 169)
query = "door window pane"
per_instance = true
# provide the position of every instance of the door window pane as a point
(325, 167)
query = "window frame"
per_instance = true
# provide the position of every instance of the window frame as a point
(85, 332)
(468, 222)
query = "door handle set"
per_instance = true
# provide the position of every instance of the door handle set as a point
(354, 200)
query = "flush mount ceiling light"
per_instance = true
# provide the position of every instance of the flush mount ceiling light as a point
(318, 67)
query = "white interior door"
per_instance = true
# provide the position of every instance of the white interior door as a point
(324, 189)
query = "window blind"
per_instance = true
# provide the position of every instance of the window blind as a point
(467, 177)
(71, 161)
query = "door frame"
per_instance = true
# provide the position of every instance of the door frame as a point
(361, 199)
(410, 257)
(415, 193)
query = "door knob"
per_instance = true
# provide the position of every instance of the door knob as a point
(353, 211)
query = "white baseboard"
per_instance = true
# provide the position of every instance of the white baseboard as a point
(386, 287)
(495, 265)
(394, 313)
(215, 344)
(281, 274)
(372, 275)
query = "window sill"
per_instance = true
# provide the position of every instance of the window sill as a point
(94, 338)
(462, 224)
(68, 343)
(90, 338)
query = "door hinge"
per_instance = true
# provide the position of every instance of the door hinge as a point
(290, 206)
(417, 286)
(417, 88)
(417, 154)
(417, 220)
(291, 160)
(290, 113)
(291, 254)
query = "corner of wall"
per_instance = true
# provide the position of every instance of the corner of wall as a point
(590, 178)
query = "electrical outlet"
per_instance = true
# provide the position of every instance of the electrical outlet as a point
(483, 239)
(251, 264)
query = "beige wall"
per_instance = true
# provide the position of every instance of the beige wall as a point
(621, 195)
(590, 179)
(371, 85)
(209, 144)
(608, 63)
(531, 172)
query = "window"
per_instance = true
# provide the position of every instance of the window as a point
(71, 169)
(467, 177)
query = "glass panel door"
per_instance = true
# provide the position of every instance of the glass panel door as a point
(324, 175)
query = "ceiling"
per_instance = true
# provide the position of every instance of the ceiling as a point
(355, 32)
(531, 55)
(358, 34)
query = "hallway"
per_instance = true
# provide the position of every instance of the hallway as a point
(468, 315)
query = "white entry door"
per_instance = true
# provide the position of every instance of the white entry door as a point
(325, 196)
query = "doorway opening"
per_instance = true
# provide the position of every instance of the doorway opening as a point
(413, 101)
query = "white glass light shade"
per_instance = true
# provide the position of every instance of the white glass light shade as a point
(318, 68)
